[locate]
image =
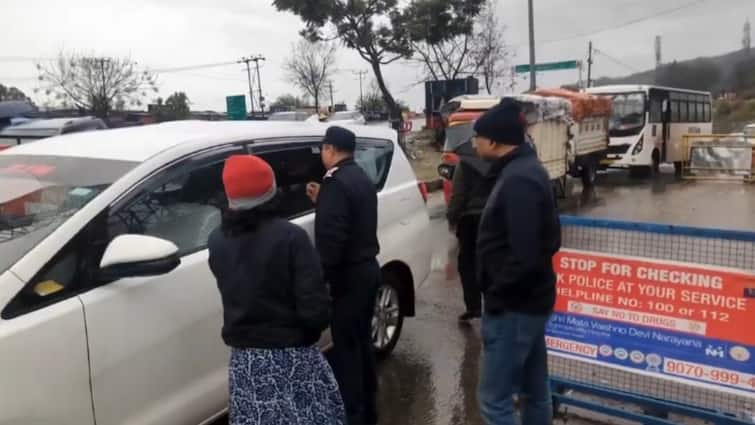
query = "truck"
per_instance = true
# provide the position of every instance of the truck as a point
(589, 120)
(568, 129)
(548, 129)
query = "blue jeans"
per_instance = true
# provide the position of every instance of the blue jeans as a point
(514, 360)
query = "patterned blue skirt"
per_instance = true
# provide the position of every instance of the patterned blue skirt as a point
(291, 386)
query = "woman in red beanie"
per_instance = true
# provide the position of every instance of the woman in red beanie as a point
(275, 306)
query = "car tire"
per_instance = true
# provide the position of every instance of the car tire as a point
(388, 317)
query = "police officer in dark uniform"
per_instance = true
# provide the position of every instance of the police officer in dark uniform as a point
(346, 239)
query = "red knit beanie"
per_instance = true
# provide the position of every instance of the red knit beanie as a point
(249, 182)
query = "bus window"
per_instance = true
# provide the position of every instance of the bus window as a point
(706, 108)
(700, 114)
(683, 115)
(675, 111)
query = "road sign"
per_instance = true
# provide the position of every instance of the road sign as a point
(550, 66)
(236, 107)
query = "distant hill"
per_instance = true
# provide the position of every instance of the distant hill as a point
(731, 72)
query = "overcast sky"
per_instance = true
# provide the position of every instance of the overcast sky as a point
(163, 34)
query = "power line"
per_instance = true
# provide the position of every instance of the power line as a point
(630, 22)
(614, 60)
(193, 67)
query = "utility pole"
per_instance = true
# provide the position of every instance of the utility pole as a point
(257, 60)
(589, 65)
(332, 105)
(361, 94)
(246, 60)
(533, 82)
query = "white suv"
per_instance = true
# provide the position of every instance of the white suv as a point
(108, 310)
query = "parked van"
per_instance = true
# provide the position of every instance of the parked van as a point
(106, 296)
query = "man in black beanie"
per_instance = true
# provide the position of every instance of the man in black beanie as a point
(519, 234)
(346, 239)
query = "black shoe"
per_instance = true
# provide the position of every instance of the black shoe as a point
(469, 316)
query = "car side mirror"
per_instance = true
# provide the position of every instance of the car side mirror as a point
(138, 256)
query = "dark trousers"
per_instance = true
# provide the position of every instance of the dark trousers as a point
(466, 232)
(352, 357)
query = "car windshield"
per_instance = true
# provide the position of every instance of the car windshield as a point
(38, 193)
(457, 135)
(628, 113)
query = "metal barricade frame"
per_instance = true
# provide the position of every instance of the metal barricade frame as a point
(698, 142)
(587, 385)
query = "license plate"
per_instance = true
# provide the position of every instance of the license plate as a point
(607, 161)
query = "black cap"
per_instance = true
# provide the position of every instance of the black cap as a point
(341, 138)
(502, 124)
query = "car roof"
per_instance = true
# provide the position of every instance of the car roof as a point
(43, 127)
(141, 143)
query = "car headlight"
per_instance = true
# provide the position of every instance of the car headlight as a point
(446, 171)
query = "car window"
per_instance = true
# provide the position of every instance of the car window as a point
(294, 167)
(375, 159)
(71, 271)
(184, 209)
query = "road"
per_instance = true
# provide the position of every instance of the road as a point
(431, 377)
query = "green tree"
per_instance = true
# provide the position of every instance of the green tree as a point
(383, 31)
(287, 102)
(177, 106)
(95, 84)
(12, 93)
(372, 102)
(174, 108)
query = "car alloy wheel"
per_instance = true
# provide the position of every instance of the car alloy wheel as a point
(387, 319)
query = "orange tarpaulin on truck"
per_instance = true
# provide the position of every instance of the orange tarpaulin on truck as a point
(583, 105)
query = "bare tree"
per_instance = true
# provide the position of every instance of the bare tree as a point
(490, 51)
(95, 84)
(447, 60)
(381, 31)
(482, 52)
(310, 66)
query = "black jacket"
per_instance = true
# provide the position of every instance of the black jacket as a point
(518, 236)
(346, 222)
(470, 189)
(271, 285)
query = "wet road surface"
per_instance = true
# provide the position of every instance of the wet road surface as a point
(666, 199)
(431, 377)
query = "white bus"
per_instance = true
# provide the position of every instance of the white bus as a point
(648, 123)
